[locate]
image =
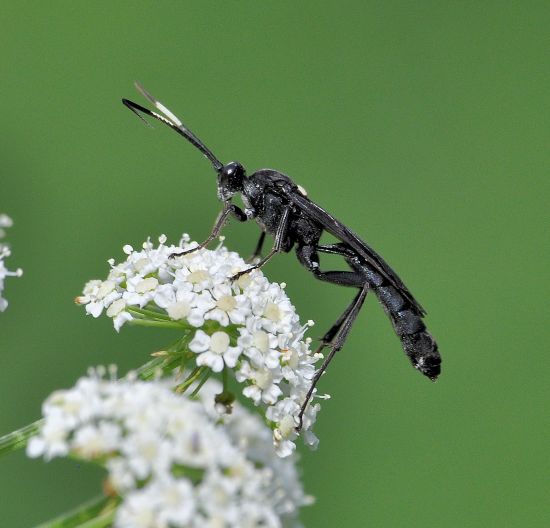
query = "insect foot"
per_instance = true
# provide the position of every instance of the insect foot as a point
(238, 275)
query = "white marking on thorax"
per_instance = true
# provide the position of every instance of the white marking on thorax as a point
(301, 190)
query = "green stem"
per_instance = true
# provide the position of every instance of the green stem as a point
(18, 439)
(96, 513)
(148, 313)
(194, 376)
(204, 379)
(103, 521)
(224, 379)
(165, 363)
(158, 324)
(148, 370)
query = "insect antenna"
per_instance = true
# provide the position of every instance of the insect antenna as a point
(172, 121)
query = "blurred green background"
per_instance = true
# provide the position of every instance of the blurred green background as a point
(423, 126)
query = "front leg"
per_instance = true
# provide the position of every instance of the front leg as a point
(221, 220)
(280, 238)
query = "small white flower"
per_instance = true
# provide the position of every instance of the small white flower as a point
(264, 383)
(284, 414)
(117, 311)
(147, 453)
(120, 477)
(169, 458)
(229, 307)
(139, 290)
(138, 511)
(52, 441)
(298, 364)
(271, 357)
(271, 303)
(98, 295)
(259, 346)
(178, 310)
(176, 501)
(213, 351)
(182, 303)
(5, 222)
(309, 417)
(94, 440)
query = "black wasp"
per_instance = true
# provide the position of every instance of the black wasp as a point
(283, 210)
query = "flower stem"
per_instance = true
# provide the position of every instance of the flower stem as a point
(224, 379)
(97, 513)
(148, 313)
(204, 379)
(150, 369)
(103, 521)
(158, 324)
(18, 439)
(195, 374)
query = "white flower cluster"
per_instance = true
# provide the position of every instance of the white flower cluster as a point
(5, 222)
(248, 325)
(169, 458)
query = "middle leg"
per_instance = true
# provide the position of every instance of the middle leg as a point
(280, 239)
(258, 251)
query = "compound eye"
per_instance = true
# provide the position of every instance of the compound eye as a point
(234, 170)
(230, 169)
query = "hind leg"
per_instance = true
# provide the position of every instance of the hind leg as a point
(338, 333)
(308, 256)
(336, 337)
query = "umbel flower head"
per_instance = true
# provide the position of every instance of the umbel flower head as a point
(247, 326)
(5, 222)
(172, 461)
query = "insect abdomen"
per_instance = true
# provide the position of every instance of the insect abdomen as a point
(417, 342)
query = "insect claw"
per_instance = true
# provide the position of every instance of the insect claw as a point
(185, 252)
(179, 254)
(238, 275)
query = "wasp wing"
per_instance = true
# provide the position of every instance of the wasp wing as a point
(340, 231)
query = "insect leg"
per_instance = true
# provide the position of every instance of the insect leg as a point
(308, 257)
(343, 250)
(337, 334)
(333, 330)
(405, 316)
(343, 327)
(221, 220)
(280, 237)
(258, 251)
(340, 248)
